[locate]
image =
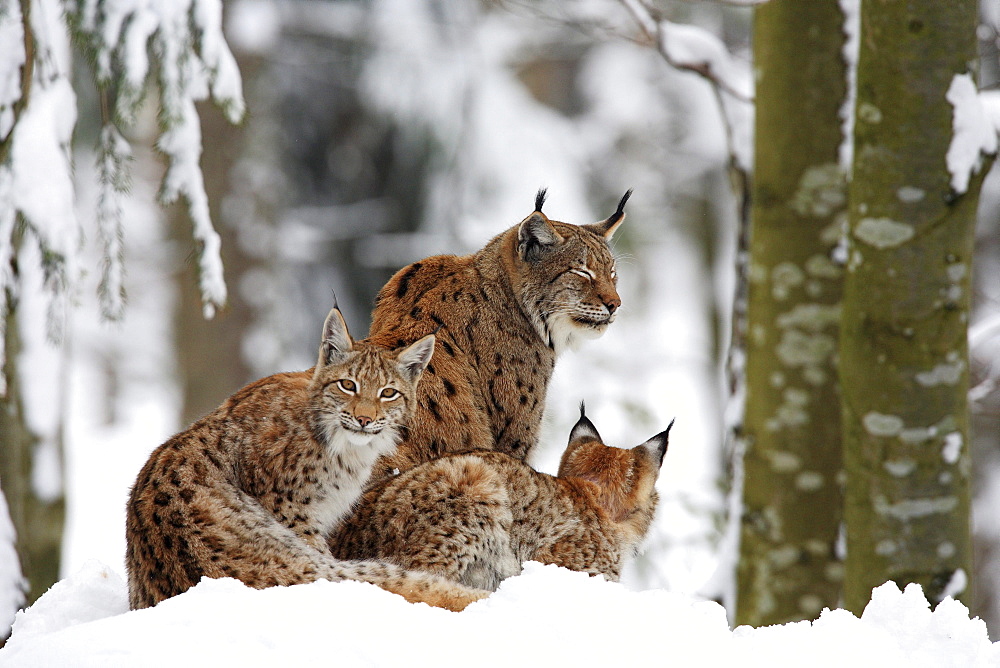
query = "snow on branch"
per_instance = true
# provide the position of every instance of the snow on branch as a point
(177, 42)
(193, 63)
(114, 155)
(182, 143)
(37, 116)
(974, 133)
(693, 49)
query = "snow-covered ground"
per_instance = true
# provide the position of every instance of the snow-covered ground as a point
(546, 616)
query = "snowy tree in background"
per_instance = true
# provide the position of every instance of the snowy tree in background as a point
(178, 46)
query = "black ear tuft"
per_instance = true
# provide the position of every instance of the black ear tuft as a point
(621, 205)
(606, 228)
(657, 445)
(619, 212)
(584, 428)
(540, 198)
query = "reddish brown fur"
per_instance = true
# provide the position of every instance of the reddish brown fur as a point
(499, 315)
(252, 490)
(476, 517)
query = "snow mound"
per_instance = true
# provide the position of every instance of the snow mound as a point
(547, 615)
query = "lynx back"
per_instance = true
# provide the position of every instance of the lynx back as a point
(501, 317)
(476, 517)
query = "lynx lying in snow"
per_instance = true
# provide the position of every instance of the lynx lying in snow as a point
(476, 517)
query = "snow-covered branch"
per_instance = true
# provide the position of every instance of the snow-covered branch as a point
(180, 42)
(974, 131)
(114, 155)
(193, 62)
(693, 49)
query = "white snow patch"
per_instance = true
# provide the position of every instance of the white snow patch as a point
(952, 449)
(690, 45)
(957, 584)
(852, 29)
(12, 583)
(43, 186)
(82, 622)
(974, 133)
(11, 60)
(182, 142)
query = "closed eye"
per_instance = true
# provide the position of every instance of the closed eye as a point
(388, 394)
(586, 273)
(347, 385)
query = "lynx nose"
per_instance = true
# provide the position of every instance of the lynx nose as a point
(612, 305)
(363, 420)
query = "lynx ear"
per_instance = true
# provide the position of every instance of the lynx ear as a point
(584, 429)
(536, 234)
(413, 359)
(606, 228)
(336, 341)
(657, 446)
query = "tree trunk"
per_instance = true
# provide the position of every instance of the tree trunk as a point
(904, 351)
(37, 521)
(792, 498)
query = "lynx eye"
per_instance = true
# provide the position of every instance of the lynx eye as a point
(348, 386)
(388, 394)
(583, 271)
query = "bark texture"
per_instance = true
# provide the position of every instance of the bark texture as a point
(904, 352)
(788, 568)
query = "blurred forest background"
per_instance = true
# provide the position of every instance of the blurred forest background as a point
(379, 132)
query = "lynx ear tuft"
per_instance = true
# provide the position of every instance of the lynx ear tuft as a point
(413, 359)
(607, 227)
(584, 429)
(657, 446)
(336, 341)
(540, 198)
(535, 235)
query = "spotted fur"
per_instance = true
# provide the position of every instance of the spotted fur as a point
(501, 315)
(253, 490)
(475, 518)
